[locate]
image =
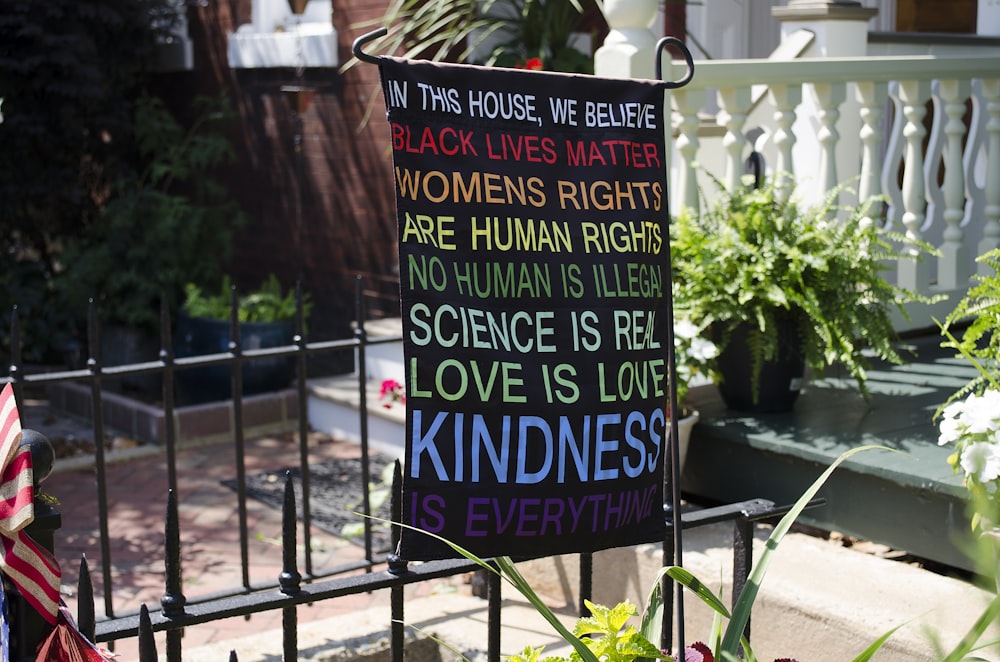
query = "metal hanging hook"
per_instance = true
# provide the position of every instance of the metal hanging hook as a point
(682, 47)
(364, 39)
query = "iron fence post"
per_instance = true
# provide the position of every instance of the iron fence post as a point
(290, 580)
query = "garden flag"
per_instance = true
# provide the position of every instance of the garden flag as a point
(532, 220)
(67, 644)
(28, 565)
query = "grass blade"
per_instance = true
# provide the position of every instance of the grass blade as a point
(744, 604)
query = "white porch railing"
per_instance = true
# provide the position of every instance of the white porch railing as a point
(923, 131)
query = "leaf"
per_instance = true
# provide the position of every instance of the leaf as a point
(989, 617)
(869, 652)
(651, 625)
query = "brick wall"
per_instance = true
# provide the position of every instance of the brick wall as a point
(348, 224)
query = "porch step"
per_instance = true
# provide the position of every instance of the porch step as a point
(384, 360)
(334, 402)
(909, 500)
(819, 601)
(334, 405)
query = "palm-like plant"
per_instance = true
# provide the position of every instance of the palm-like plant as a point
(489, 32)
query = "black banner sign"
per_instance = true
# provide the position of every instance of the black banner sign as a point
(532, 226)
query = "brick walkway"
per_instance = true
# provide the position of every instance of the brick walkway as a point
(137, 494)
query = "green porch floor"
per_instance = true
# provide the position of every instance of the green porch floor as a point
(909, 500)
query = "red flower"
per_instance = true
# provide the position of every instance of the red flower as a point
(389, 386)
(391, 393)
(532, 64)
(698, 652)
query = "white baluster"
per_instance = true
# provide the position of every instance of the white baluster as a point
(892, 160)
(872, 97)
(953, 265)
(829, 96)
(734, 102)
(785, 99)
(933, 152)
(628, 50)
(913, 273)
(687, 143)
(991, 233)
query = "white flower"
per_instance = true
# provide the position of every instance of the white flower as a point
(981, 461)
(954, 410)
(693, 353)
(981, 413)
(702, 350)
(951, 431)
(684, 330)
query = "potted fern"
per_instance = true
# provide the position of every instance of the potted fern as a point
(784, 287)
(266, 319)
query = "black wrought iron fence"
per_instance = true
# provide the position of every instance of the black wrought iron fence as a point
(293, 586)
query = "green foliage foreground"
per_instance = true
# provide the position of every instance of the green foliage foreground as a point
(607, 637)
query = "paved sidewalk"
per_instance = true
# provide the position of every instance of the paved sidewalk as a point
(137, 495)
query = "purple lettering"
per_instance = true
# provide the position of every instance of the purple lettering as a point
(615, 509)
(577, 511)
(432, 504)
(597, 499)
(526, 517)
(473, 516)
(647, 502)
(504, 522)
(553, 513)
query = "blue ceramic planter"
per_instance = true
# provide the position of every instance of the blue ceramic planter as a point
(196, 336)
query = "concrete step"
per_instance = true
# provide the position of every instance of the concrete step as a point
(334, 405)
(819, 602)
(384, 360)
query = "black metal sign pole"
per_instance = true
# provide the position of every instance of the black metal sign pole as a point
(674, 408)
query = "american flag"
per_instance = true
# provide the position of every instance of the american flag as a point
(31, 568)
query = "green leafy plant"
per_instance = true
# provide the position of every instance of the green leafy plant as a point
(693, 353)
(754, 257)
(609, 636)
(166, 223)
(505, 33)
(980, 339)
(268, 303)
(605, 636)
(970, 419)
(70, 73)
(528, 34)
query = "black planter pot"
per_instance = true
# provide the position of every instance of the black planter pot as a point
(196, 336)
(121, 345)
(780, 380)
